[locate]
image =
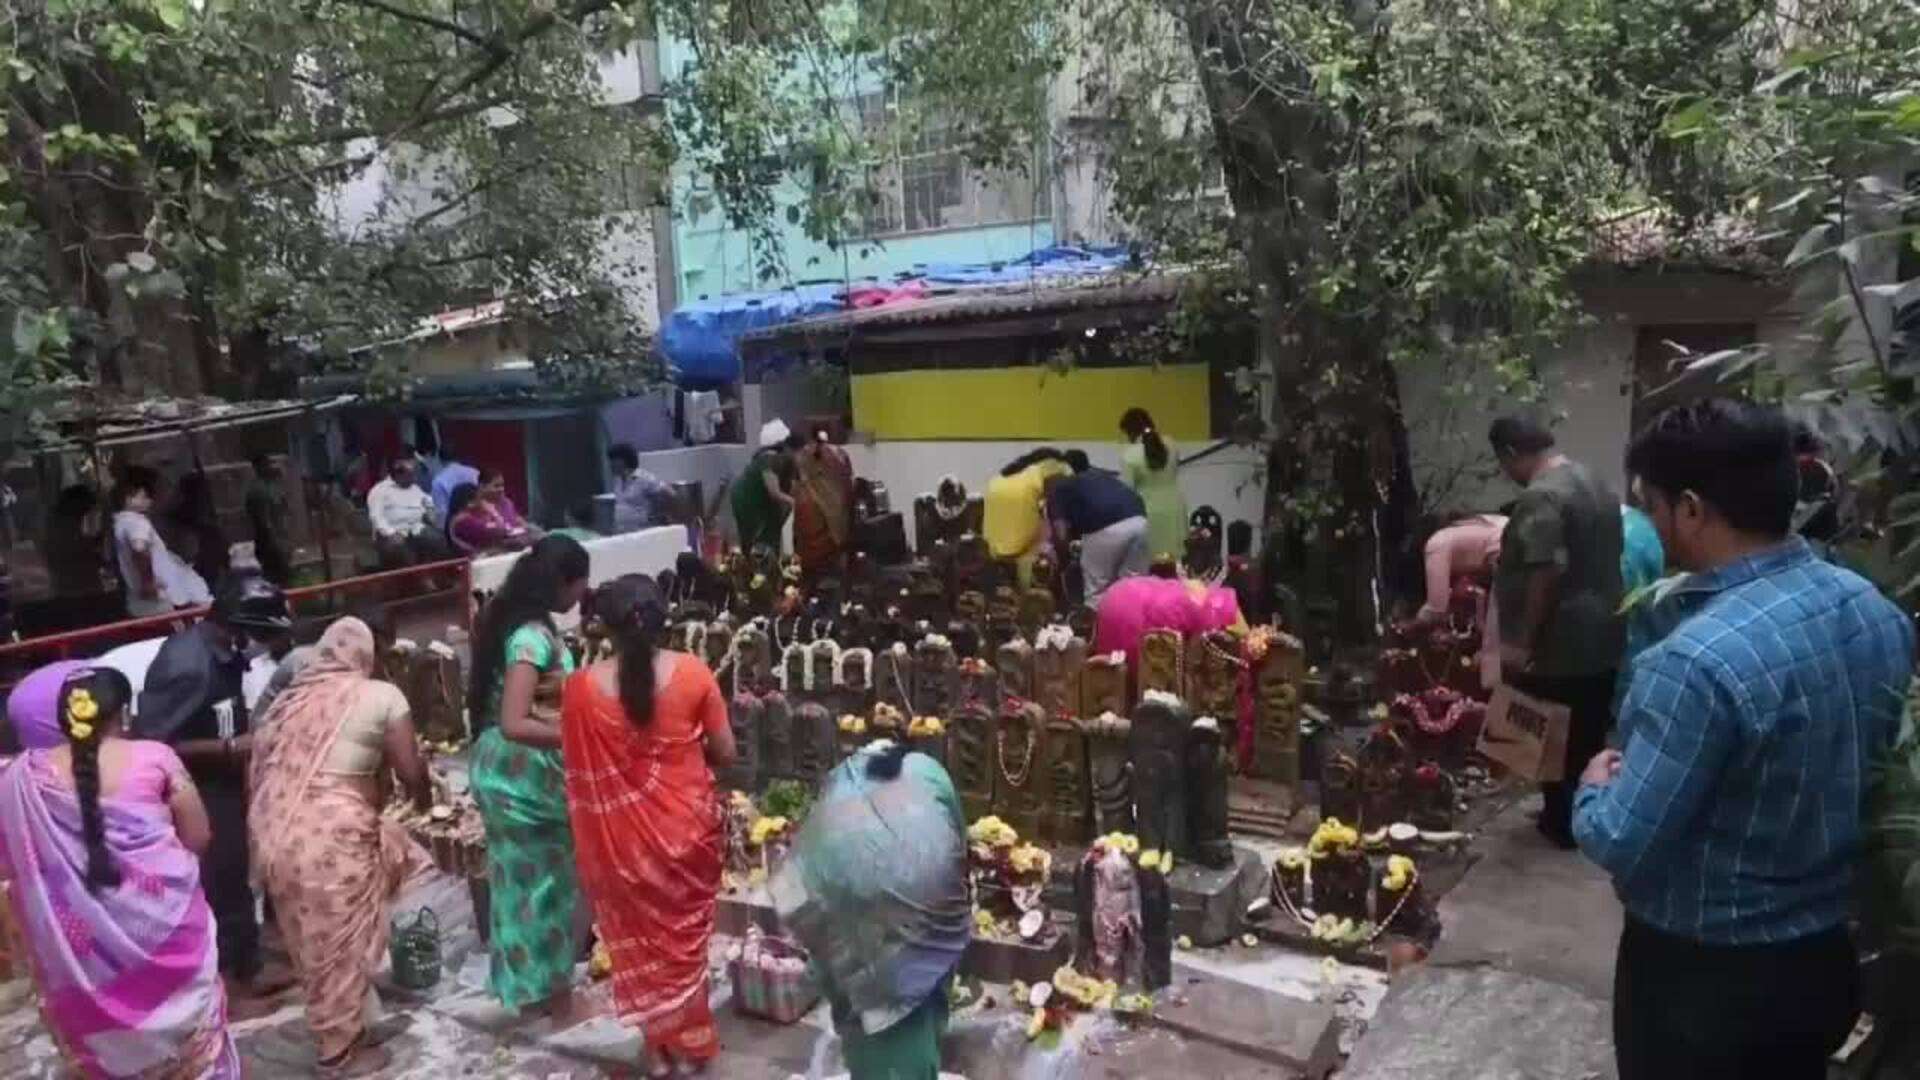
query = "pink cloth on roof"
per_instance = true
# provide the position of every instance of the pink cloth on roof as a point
(872, 296)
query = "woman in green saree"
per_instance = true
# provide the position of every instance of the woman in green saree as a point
(519, 663)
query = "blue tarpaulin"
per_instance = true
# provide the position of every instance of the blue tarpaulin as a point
(700, 338)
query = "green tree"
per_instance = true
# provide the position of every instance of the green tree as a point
(1821, 142)
(175, 175)
(1406, 184)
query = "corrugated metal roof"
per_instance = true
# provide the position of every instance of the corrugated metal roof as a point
(964, 304)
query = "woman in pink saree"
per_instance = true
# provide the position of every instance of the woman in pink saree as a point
(99, 838)
(1135, 605)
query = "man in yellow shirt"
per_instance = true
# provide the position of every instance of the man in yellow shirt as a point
(1015, 524)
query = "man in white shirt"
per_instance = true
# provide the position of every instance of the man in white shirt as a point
(405, 524)
(640, 498)
(155, 579)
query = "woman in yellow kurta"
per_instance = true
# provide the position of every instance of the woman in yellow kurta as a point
(1150, 469)
(1014, 524)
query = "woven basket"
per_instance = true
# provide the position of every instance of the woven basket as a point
(782, 997)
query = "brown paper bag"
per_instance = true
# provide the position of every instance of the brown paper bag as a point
(1526, 734)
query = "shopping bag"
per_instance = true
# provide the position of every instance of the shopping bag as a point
(1526, 734)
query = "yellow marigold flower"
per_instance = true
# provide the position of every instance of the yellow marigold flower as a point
(81, 730)
(1028, 859)
(81, 706)
(1400, 872)
(1150, 859)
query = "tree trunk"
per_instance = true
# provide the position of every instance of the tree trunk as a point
(94, 212)
(1347, 437)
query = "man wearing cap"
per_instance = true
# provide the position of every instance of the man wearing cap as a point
(760, 496)
(192, 701)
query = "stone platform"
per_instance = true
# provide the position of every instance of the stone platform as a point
(1209, 906)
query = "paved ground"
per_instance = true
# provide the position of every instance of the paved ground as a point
(1520, 984)
(1517, 988)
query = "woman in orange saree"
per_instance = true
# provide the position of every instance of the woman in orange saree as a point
(822, 505)
(640, 733)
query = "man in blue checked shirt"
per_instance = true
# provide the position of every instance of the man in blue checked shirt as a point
(1730, 821)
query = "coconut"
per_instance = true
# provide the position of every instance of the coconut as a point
(1032, 923)
(1040, 995)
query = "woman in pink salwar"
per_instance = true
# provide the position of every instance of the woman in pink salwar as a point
(99, 838)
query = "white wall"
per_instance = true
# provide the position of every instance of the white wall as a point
(1587, 387)
(714, 466)
(1231, 481)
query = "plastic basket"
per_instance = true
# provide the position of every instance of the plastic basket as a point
(415, 948)
(780, 996)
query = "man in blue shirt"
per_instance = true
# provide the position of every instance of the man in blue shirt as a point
(1109, 519)
(1730, 821)
(450, 477)
(640, 498)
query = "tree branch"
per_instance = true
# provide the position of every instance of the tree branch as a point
(423, 19)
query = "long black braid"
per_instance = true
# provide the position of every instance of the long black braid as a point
(108, 692)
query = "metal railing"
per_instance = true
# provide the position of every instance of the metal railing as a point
(51, 647)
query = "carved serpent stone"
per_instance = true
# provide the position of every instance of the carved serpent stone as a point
(1157, 745)
(935, 679)
(1276, 702)
(1014, 660)
(893, 679)
(974, 758)
(813, 749)
(776, 738)
(1207, 771)
(1110, 774)
(743, 715)
(1163, 663)
(1103, 686)
(1056, 677)
(1020, 779)
(1069, 799)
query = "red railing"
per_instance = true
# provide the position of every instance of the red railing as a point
(52, 647)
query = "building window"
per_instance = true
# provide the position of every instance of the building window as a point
(925, 185)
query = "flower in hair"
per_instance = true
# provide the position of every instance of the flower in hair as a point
(81, 706)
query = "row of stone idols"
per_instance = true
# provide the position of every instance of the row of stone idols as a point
(1404, 769)
(1253, 683)
(430, 678)
(1421, 656)
(1041, 738)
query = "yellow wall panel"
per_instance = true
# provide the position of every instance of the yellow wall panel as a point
(1030, 402)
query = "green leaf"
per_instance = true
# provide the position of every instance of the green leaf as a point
(1689, 119)
(1810, 245)
(28, 333)
(1790, 202)
(171, 13)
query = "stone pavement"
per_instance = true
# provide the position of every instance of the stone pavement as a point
(1233, 1012)
(1520, 984)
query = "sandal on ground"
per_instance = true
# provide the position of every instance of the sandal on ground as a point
(360, 1061)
